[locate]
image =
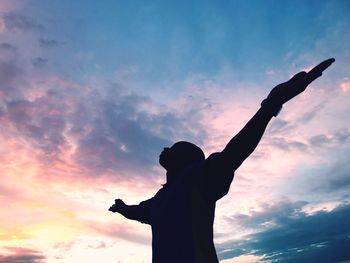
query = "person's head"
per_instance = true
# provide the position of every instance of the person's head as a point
(180, 155)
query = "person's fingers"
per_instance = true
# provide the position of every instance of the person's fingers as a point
(112, 208)
(316, 72)
(322, 66)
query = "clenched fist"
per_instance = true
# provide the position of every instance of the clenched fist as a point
(296, 85)
(117, 206)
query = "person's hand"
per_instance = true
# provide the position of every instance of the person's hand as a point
(296, 85)
(117, 206)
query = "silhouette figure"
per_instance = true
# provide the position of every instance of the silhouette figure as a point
(181, 213)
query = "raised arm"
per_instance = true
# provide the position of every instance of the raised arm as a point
(140, 212)
(220, 167)
(244, 143)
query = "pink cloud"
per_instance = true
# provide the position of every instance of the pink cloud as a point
(121, 230)
(345, 86)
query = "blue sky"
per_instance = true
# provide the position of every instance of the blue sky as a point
(168, 40)
(91, 92)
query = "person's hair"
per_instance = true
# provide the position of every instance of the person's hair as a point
(188, 153)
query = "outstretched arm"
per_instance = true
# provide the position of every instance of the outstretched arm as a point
(244, 143)
(138, 212)
(220, 167)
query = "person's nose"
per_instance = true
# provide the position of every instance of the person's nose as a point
(165, 149)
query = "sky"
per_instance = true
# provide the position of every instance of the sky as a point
(91, 92)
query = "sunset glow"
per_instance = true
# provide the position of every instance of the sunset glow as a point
(91, 92)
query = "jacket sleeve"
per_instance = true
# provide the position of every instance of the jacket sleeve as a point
(140, 212)
(144, 211)
(216, 177)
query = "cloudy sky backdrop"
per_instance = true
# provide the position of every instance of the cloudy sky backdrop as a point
(91, 92)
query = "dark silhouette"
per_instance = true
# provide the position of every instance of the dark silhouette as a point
(181, 214)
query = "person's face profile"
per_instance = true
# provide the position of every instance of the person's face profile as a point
(164, 157)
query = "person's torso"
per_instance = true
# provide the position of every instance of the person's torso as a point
(182, 222)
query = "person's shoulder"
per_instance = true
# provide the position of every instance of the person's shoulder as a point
(213, 159)
(214, 155)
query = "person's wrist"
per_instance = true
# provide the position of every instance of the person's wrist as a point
(272, 107)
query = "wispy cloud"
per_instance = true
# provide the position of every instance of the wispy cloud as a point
(121, 231)
(7, 47)
(39, 61)
(48, 43)
(17, 22)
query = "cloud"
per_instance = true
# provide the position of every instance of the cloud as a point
(6, 191)
(290, 235)
(18, 22)
(310, 114)
(345, 86)
(118, 136)
(244, 259)
(342, 135)
(39, 61)
(335, 177)
(286, 144)
(278, 125)
(63, 129)
(22, 255)
(8, 52)
(269, 214)
(64, 247)
(319, 140)
(7, 47)
(61, 119)
(47, 43)
(279, 136)
(40, 121)
(339, 137)
(8, 73)
(121, 231)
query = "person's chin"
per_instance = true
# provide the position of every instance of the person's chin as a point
(162, 161)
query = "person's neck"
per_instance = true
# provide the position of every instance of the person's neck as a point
(170, 176)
